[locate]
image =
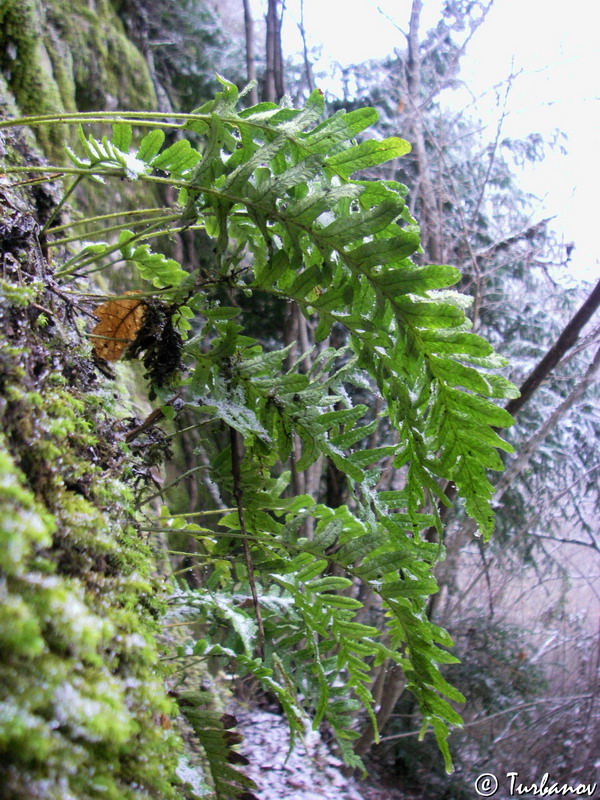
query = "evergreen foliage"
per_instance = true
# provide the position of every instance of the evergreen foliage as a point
(273, 187)
(516, 270)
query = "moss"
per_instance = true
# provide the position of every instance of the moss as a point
(80, 691)
(82, 698)
(25, 62)
(19, 295)
(95, 61)
(83, 709)
(67, 56)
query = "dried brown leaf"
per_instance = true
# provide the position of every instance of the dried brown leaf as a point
(120, 321)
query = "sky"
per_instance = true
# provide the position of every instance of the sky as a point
(554, 50)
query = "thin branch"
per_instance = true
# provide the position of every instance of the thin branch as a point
(511, 710)
(565, 342)
(56, 210)
(518, 536)
(503, 244)
(492, 158)
(103, 217)
(528, 449)
(307, 65)
(152, 418)
(169, 485)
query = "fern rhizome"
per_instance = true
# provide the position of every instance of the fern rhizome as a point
(273, 188)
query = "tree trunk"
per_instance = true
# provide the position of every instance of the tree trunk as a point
(250, 52)
(274, 87)
(430, 218)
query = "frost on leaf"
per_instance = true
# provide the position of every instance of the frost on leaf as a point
(120, 322)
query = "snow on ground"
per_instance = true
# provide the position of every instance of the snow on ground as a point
(312, 771)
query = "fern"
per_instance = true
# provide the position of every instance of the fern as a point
(217, 739)
(277, 191)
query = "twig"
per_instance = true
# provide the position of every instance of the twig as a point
(151, 419)
(482, 720)
(168, 486)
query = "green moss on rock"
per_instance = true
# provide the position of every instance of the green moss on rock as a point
(96, 65)
(25, 62)
(69, 55)
(81, 698)
(82, 701)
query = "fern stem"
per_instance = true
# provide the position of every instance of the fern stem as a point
(236, 473)
(102, 217)
(112, 228)
(207, 513)
(96, 118)
(183, 430)
(71, 264)
(63, 200)
(203, 532)
(85, 118)
(127, 296)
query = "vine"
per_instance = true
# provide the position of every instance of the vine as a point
(273, 187)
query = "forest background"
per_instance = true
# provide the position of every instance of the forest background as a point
(522, 609)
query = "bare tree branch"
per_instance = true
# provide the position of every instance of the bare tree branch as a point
(561, 701)
(565, 341)
(431, 226)
(308, 73)
(528, 449)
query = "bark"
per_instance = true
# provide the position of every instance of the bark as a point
(390, 694)
(279, 76)
(269, 91)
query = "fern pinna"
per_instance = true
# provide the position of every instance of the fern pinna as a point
(274, 188)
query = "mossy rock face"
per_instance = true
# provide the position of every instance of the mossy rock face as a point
(70, 55)
(83, 710)
(96, 65)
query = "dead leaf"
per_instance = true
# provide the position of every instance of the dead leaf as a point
(120, 321)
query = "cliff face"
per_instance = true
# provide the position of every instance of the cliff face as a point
(83, 710)
(70, 55)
